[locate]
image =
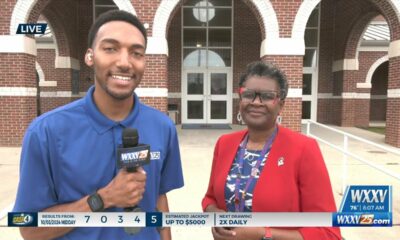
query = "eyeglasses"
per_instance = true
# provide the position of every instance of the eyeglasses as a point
(249, 95)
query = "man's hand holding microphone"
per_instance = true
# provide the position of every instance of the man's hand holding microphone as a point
(127, 188)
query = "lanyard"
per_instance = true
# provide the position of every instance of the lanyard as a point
(239, 202)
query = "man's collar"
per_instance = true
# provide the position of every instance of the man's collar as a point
(100, 122)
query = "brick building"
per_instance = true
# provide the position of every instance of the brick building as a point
(338, 72)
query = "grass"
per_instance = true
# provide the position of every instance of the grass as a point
(379, 130)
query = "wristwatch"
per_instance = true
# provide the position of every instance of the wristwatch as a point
(95, 202)
(268, 234)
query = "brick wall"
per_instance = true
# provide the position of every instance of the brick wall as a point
(156, 72)
(58, 31)
(394, 73)
(356, 32)
(159, 103)
(339, 36)
(326, 49)
(175, 53)
(254, 12)
(390, 15)
(7, 7)
(325, 77)
(392, 122)
(393, 104)
(351, 114)
(146, 11)
(155, 76)
(64, 23)
(361, 116)
(16, 70)
(15, 113)
(174, 61)
(329, 111)
(50, 103)
(286, 13)
(86, 20)
(347, 16)
(46, 59)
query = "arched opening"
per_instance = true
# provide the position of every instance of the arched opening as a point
(378, 101)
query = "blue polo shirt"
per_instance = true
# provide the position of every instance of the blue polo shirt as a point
(70, 152)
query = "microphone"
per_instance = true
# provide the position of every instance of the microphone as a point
(131, 156)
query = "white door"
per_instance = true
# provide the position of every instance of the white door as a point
(206, 96)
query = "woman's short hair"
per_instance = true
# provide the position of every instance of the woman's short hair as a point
(263, 69)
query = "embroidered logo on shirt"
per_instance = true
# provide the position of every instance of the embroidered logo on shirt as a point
(281, 161)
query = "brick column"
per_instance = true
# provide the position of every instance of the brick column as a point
(153, 89)
(361, 112)
(17, 96)
(393, 103)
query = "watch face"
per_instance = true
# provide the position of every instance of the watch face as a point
(95, 202)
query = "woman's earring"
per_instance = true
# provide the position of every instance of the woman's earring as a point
(239, 118)
(279, 119)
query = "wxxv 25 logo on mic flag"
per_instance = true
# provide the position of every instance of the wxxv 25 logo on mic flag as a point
(365, 206)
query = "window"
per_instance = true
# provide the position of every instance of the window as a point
(207, 33)
(311, 39)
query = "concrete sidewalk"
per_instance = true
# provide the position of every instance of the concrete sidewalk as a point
(197, 148)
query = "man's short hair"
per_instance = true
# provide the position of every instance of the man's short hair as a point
(115, 15)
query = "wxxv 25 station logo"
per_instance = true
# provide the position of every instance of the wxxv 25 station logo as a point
(365, 206)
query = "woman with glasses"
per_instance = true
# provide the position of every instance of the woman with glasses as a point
(268, 168)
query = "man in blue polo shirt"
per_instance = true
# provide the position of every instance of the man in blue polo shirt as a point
(69, 154)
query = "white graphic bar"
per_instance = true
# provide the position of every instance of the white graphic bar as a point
(90, 219)
(138, 219)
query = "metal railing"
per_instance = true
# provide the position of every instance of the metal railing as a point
(346, 153)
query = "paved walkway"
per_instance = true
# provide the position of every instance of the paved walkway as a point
(197, 149)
